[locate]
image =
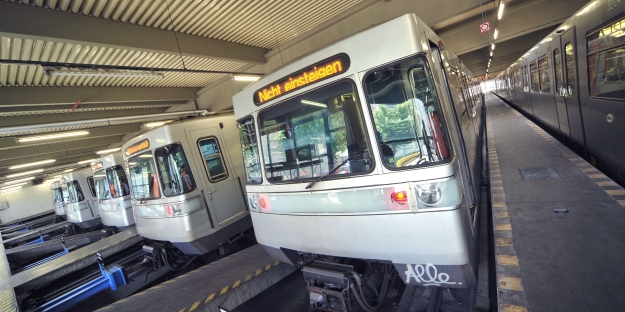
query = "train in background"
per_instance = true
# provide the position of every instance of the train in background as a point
(186, 190)
(60, 197)
(82, 209)
(112, 189)
(573, 83)
(363, 162)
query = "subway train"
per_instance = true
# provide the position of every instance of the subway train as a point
(185, 187)
(573, 83)
(82, 208)
(59, 195)
(112, 189)
(363, 163)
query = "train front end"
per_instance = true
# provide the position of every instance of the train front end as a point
(59, 202)
(366, 164)
(82, 209)
(113, 192)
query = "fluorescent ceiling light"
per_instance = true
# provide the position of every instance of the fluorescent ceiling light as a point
(68, 170)
(491, 53)
(492, 46)
(110, 150)
(157, 123)
(36, 163)
(18, 185)
(314, 103)
(500, 13)
(58, 176)
(19, 180)
(86, 161)
(52, 136)
(24, 173)
(496, 33)
(100, 72)
(245, 77)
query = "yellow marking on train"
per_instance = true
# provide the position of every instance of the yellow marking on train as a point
(248, 277)
(499, 205)
(503, 227)
(607, 183)
(223, 290)
(512, 308)
(503, 242)
(236, 284)
(258, 272)
(194, 306)
(615, 192)
(209, 298)
(507, 260)
(500, 215)
(276, 263)
(510, 283)
(595, 176)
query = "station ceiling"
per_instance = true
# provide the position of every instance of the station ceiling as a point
(200, 41)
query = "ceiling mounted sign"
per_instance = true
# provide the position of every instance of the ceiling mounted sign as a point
(484, 27)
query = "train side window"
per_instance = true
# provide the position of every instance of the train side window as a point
(174, 171)
(534, 81)
(569, 61)
(91, 186)
(606, 61)
(557, 65)
(544, 75)
(211, 153)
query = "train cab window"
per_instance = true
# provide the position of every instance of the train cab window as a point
(606, 61)
(75, 192)
(313, 134)
(117, 181)
(211, 153)
(534, 77)
(58, 195)
(407, 114)
(249, 148)
(545, 76)
(144, 180)
(175, 174)
(91, 186)
(102, 189)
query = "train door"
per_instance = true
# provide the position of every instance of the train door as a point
(92, 200)
(571, 98)
(221, 191)
(563, 116)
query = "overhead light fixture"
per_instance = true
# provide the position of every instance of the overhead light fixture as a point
(19, 180)
(110, 150)
(82, 162)
(314, 103)
(68, 170)
(157, 123)
(492, 47)
(500, 13)
(36, 163)
(491, 53)
(52, 136)
(496, 33)
(24, 173)
(245, 77)
(18, 185)
(102, 72)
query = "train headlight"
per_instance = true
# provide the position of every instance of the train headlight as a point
(429, 194)
(439, 194)
(253, 200)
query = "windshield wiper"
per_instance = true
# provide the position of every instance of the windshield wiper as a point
(358, 153)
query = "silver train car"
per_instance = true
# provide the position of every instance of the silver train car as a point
(112, 189)
(369, 149)
(59, 194)
(573, 82)
(185, 183)
(82, 209)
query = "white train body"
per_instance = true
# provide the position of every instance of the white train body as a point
(113, 191)
(59, 193)
(82, 208)
(185, 183)
(380, 104)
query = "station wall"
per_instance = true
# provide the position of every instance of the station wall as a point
(26, 202)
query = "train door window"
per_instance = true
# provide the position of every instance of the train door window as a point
(606, 61)
(557, 66)
(143, 176)
(101, 185)
(215, 165)
(407, 114)
(91, 186)
(174, 171)
(544, 75)
(75, 192)
(117, 181)
(534, 77)
(249, 148)
(312, 134)
(569, 61)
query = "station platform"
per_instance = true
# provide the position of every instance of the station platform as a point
(557, 221)
(226, 283)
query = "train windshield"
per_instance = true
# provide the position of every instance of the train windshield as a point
(176, 176)
(308, 136)
(143, 177)
(102, 190)
(249, 146)
(118, 183)
(58, 195)
(407, 114)
(75, 192)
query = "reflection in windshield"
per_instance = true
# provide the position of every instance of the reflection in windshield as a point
(176, 177)
(118, 183)
(143, 177)
(75, 192)
(249, 146)
(311, 134)
(406, 113)
(58, 195)
(101, 185)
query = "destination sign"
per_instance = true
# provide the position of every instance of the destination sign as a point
(327, 68)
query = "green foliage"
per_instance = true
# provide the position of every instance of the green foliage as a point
(394, 123)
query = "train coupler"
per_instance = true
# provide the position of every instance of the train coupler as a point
(328, 285)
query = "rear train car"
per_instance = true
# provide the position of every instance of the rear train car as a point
(367, 151)
(113, 191)
(82, 209)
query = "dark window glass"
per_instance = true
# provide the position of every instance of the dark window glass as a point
(91, 186)
(535, 82)
(213, 159)
(173, 168)
(58, 195)
(557, 64)
(545, 76)
(117, 181)
(75, 192)
(569, 60)
(143, 176)
(249, 148)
